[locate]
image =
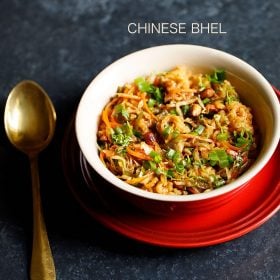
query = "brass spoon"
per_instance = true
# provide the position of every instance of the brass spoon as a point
(30, 123)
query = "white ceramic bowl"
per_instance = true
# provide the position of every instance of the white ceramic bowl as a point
(254, 90)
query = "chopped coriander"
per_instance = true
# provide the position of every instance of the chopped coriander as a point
(155, 92)
(119, 137)
(238, 161)
(142, 84)
(241, 141)
(218, 76)
(120, 110)
(218, 182)
(244, 140)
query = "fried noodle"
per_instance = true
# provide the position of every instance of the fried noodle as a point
(177, 133)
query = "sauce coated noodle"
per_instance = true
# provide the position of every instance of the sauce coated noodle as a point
(177, 133)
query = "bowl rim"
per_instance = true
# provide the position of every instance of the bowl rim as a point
(102, 170)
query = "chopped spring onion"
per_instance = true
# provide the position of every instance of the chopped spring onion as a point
(149, 165)
(180, 166)
(206, 100)
(167, 130)
(199, 129)
(156, 156)
(185, 109)
(170, 173)
(222, 136)
(154, 91)
(151, 102)
(173, 112)
(220, 157)
(170, 153)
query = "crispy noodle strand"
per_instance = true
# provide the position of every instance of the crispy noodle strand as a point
(177, 133)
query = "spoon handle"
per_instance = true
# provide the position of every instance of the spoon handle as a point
(42, 264)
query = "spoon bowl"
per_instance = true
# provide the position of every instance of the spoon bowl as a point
(29, 117)
(29, 121)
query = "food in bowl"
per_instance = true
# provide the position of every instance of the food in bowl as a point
(254, 91)
(177, 133)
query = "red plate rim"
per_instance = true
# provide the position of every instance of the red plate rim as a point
(152, 235)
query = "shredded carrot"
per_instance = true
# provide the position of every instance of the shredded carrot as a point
(125, 95)
(150, 137)
(107, 112)
(138, 154)
(146, 107)
(226, 144)
(101, 156)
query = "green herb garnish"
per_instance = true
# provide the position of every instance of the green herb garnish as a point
(220, 157)
(122, 135)
(121, 111)
(206, 100)
(222, 136)
(137, 133)
(218, 76)
(170, 173)
(185, 109)
(149, 165)
(167, 130)
(170, 153)
(173, 112)
(155, 156)
(175, 156)
(151, 102)
(243, 140)
(199, 129)
(180, 166)
(144, 86)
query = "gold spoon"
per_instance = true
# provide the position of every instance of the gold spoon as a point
(30, 123)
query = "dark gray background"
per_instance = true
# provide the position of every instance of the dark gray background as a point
(63, 45)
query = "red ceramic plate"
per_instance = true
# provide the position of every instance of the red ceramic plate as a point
(254, 206)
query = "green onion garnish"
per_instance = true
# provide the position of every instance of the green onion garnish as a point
(220, 157)
(222, 136)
